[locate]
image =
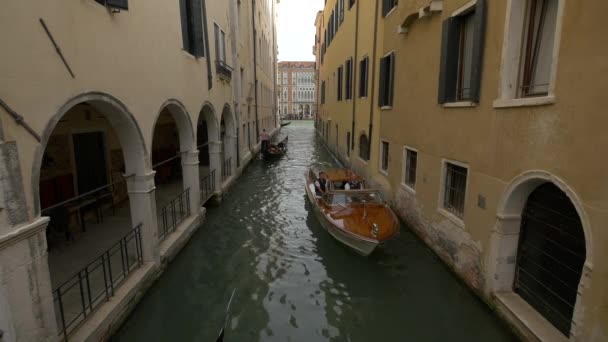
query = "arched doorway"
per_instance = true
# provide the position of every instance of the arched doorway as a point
(209, 150)
(551, 255)
(541, 250)
(91, 158)
(300, 111)
(307, 111)
(228, 138)
(174, 159)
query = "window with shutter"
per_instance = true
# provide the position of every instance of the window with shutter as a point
(349, 79)
(119, 4)
(340, 82)
(192, 27)
(387, 6)
(462, 46)
(363, 80)
(387, 66)
(341, 11)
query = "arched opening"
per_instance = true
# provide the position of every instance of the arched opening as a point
(551, 255)
(207, 142)
(300, 111)
(541, 250)
(307, 111)
(228, 138)
(363, 147)
(173, 138)
(90, 150)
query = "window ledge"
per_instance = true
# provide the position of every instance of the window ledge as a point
(455, 219)
(386, 107)
(188, 54)
(408, 188)
(529, 318)
(460, 104)
(524, 102)
(384, 172)
(362, 160)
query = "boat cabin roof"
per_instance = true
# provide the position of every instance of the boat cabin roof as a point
(340, 175)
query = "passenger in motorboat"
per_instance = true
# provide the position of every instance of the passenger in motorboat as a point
(321, 184)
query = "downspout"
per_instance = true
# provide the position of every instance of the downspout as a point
(206, 37)
(255, 69)
(275, 110)
(354, 85)
(371, 103)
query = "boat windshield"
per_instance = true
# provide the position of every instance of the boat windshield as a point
(343, 198)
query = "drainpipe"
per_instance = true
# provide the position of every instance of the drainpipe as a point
(371, 103)
(274, 64)
(255, 69)
(354, 76)
(206, 37)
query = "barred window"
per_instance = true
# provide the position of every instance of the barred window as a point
(455, 189)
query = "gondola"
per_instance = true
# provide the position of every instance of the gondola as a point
(285, 124)
(355, 216)
(276, 151)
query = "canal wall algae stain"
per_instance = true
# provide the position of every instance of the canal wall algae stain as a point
(294, 282)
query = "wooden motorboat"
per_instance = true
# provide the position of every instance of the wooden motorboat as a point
(276, 150)
(358, 218)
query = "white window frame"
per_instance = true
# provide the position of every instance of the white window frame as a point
(440, 207)
(404, 167)
(388, 157)
(511, 57)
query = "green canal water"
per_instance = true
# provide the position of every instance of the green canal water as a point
(294, 282)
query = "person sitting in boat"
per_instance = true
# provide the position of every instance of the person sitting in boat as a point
(352, 184)
(321, 184)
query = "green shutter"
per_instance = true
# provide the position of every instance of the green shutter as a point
(122, 4)
(382, 84)
(391, 85)
(448, 68)
(183, 11)
(478, 48)
(196, 16)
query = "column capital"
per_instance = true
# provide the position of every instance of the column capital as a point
(23, 232)
(190, 157)
(140, 184)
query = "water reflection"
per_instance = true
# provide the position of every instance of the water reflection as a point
(294, 282)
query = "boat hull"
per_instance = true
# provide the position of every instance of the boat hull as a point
(361, 246)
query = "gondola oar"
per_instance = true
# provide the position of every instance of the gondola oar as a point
(220, 337)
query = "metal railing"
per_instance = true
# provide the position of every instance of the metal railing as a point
(207, 185)
(172, 214)
(223, 70)
(227, 169)
(95, 284)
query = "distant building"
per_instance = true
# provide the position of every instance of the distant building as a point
(296, 90)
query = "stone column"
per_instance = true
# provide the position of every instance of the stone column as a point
(26, 301)
(215, 163)
(230, 151)
(191, 179)
(142, 201)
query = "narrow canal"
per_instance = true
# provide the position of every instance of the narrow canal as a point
(294, 282)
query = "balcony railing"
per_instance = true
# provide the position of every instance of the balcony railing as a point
(207, 185)
(172, 214)
(223, 70)
(227, 169)
(95, 284)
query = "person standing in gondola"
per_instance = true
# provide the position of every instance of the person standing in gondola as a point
(264, 137)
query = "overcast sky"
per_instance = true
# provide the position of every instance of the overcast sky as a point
(296, 29)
